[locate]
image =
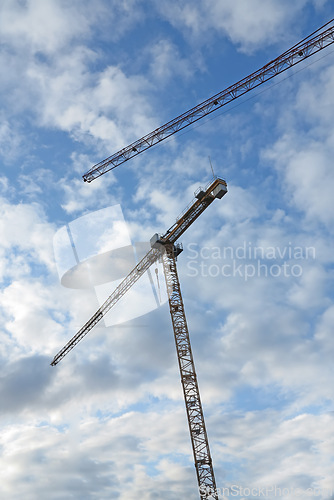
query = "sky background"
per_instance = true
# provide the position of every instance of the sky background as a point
(79, 80)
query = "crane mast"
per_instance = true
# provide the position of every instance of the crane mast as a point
(302, 50)
(165, 247)
(199, 439)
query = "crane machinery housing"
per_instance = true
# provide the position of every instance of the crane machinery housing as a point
(165, 247)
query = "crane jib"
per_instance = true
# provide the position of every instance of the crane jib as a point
(216, 188)
(304, 49)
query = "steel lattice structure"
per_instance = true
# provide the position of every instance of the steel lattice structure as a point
(302, 50)
(117, 294)
(199, 439)
(166, 248)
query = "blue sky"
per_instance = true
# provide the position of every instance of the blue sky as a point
(79, 81)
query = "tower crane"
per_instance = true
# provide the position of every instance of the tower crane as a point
(310, 45)
(167, 248)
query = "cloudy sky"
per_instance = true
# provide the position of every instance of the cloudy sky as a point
(79, 80)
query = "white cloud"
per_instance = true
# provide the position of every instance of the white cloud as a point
(47, 27)
(11, 140)
(167, 63)
(24, 227)
(303, 150)
(108, 106)
(78, 196)
(307, 175)
(136, 438)
(44, 26)
(247, 24)
(57, 85)
(292, 453)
